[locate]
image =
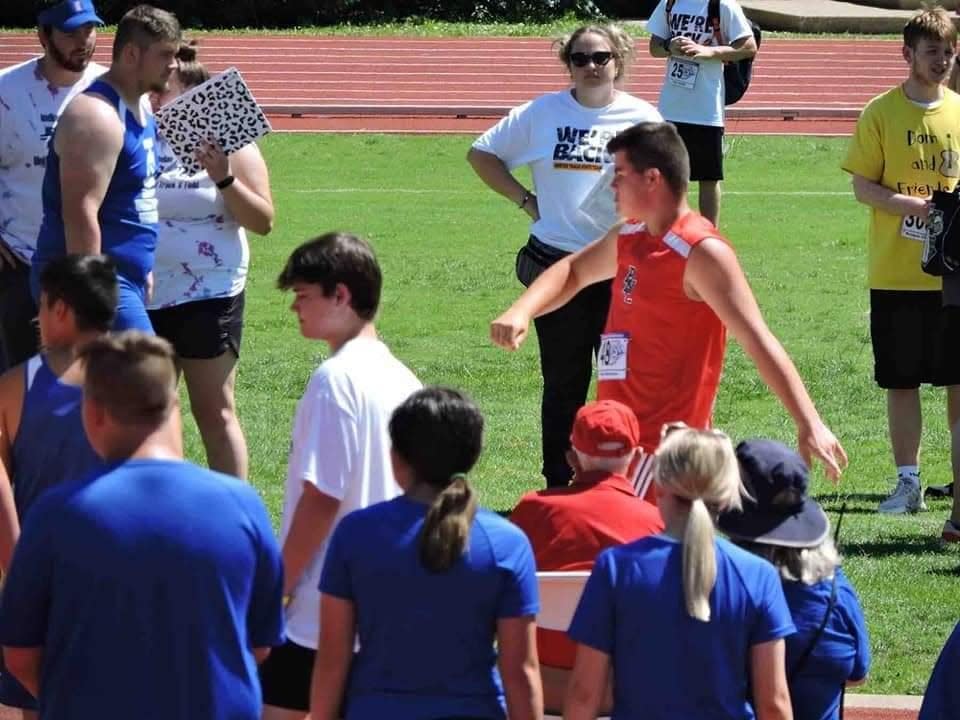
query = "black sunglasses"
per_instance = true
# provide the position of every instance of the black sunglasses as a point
(599, 58)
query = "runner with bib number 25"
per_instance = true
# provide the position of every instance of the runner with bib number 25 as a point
(697, 37)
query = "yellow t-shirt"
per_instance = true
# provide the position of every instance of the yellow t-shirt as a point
(913, 150)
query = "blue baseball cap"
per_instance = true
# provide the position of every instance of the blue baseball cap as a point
(778, 511)
(68, 15)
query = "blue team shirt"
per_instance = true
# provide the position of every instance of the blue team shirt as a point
(147, 586)
(667, 665)
(51, 445)
(426, 639)
(842, 651)
(128, 215)
(941, 701)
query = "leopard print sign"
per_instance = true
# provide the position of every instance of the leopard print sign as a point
(221, 108)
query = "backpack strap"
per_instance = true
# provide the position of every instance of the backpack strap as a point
(795, 670)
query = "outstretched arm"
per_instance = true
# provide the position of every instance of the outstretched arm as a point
(714, 275)
(88, 141)
(555, 287)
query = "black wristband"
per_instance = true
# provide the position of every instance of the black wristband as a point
(666, 44)
(226, 182)
(524, 199)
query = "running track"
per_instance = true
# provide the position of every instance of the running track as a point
(440, 84)
(461, 85)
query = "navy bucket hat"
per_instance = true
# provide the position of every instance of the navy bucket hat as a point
(778, 511)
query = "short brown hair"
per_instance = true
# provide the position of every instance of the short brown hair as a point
(656, 145)
(143, 26)
(337, 257)
(929, 24)
(132, 375)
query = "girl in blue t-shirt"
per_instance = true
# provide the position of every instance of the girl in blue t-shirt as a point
(689, 625)
(426, 583)
(780, 523)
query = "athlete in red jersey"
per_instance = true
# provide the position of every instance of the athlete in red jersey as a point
(678, 289)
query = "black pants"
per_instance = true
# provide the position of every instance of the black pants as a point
(19, 337)
(569, 338)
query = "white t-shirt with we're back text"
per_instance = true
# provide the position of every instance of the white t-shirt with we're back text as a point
(692, 90)
(564, 143)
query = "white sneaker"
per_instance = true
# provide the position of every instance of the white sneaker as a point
(905, 498)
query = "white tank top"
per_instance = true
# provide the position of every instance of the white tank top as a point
(202, 251)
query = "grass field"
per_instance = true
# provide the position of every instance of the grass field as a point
(447, 245)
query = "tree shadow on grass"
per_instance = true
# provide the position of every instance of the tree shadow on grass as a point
(904, 545)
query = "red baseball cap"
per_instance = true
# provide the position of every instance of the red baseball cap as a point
(605, 428)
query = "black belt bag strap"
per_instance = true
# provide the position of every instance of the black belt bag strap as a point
(535, 257)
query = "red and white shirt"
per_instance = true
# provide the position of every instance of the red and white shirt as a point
(662, 352)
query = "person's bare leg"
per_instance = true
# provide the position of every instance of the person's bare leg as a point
(905, 422)
(709, 200)
(210, 383)
(953, 417)
(30, 715)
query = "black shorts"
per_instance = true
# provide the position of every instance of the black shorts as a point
(705, 147)
(202, 329)
(915, 339)
(285, 677)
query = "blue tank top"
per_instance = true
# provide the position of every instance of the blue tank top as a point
(51, 445)
(128, 215)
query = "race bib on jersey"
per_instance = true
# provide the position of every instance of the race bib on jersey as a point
(683, 73)
(612, 358)
(913, 228)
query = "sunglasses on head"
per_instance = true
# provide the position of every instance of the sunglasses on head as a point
(599, 59)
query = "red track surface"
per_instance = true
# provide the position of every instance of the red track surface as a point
(342, 83)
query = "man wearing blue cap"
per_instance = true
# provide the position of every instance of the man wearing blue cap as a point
(99, 188)
(33, 94)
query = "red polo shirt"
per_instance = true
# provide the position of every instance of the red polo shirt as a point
(568, 527)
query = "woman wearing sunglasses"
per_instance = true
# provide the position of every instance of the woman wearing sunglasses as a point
(687, 624)
(561, 137)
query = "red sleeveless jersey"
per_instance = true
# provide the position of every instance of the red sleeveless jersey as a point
(661, 353)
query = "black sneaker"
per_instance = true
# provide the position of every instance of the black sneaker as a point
(939, 491)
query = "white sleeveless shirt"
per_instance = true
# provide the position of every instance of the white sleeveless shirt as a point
(202, 250)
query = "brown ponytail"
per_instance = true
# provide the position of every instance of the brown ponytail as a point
(438, 433)
(447, 525)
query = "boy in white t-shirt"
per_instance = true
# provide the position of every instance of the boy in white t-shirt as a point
(693, 92)
(33, 94)
(340, 451)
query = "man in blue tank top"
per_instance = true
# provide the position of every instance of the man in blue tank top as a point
(99, 192)
(149, 589)
(42, 442)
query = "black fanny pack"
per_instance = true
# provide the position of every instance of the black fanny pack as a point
(535, 257)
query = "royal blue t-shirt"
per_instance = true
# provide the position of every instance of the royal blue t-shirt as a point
(147, 586)
(426, 639)
(841, 653)
(941, 701)
(667, 665)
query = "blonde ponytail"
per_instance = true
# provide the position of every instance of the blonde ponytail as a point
(699, 561)
(701, 467)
